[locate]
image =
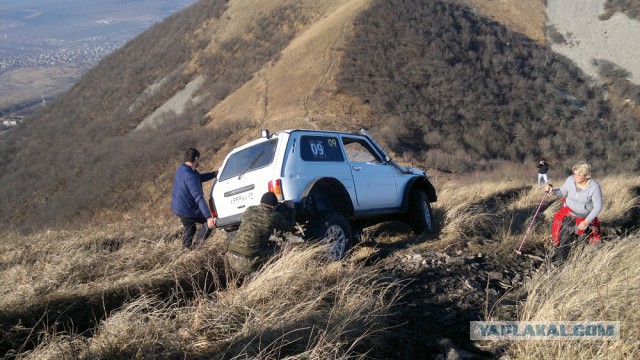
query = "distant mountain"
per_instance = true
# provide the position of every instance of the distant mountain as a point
(444, 84)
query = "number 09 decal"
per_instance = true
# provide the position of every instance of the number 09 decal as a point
(316, 148)
(332, 142)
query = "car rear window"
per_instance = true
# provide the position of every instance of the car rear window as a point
(249, 159)
(320, 148)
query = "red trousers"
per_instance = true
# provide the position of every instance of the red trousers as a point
(596, 230)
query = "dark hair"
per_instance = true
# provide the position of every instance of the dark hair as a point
(269, 198)
(191, 155)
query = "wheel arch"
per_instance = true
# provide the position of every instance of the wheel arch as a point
(419, 182)
(333, 189)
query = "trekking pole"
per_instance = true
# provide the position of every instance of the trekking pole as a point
(531, 224)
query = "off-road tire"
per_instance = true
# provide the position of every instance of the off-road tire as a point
(567, 239)
(420, 216)
(334, 229)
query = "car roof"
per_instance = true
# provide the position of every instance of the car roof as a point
(289, 132)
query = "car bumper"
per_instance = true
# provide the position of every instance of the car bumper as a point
(229, 221)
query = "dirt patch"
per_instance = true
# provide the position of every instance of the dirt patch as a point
(525, 17)
(446, 290)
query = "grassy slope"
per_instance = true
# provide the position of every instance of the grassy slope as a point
(183, 298)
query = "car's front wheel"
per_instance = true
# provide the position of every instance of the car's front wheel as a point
(334, 229)
(420, 216)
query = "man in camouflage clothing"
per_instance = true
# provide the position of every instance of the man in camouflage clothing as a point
(251, 245)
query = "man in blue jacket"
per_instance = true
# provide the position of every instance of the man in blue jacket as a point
(187, 200)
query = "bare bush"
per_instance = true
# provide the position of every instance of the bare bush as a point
(629, 7)
(483, 91)
(609, 70)
(554, 35)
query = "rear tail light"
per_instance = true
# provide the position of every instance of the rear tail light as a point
(212, 205)
(212, 208)
(275, 186)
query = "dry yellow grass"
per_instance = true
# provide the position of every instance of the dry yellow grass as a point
(299, 305)
(617, 198)
(484, 206)
(599, 283)
(56, 264)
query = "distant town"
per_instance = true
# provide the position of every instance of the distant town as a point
(19, 52)
(45, 46)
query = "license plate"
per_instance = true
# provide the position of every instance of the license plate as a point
(242, 198)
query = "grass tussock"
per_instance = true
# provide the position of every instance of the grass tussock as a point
(299, 306)
(57, 264)
(621, 194)
(304, 307)
(481, 209)
(598, 283)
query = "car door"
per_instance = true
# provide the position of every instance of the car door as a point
(244, 178)
(374, 179)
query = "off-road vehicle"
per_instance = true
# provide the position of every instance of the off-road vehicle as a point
(338, 183)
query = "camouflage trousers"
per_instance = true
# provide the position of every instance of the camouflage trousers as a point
(241, 264)
(244, 265)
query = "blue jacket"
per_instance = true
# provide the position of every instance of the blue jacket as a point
(187, 199)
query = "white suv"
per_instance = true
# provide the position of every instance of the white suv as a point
(337, 182)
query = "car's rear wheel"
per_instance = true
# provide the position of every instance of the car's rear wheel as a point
(334, 229)
(420, 216)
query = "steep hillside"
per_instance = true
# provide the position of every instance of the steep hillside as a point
(442, 84)
(127, 290)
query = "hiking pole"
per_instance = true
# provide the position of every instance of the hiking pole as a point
(531, 224)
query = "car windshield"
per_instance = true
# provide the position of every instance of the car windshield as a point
(249, 159)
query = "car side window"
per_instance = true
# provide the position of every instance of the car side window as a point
(320, 148)
(358, 150)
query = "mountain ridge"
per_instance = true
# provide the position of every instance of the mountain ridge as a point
(451, 90)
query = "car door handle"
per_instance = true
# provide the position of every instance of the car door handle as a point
(357, 168)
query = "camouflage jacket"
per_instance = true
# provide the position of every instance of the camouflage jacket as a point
(257, 225)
